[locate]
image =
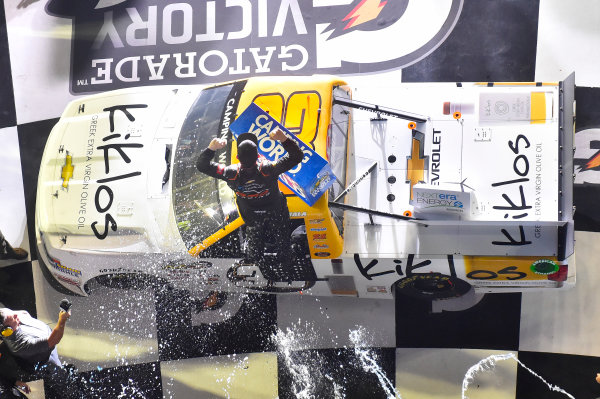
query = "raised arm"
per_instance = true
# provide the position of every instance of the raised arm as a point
(59, 330)
(294, 153)
(205, 163)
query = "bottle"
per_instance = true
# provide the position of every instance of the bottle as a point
(532, 107)
(464, 108)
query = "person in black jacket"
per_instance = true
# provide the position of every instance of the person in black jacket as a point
(32, 344)
(11, 375)
(261, 204)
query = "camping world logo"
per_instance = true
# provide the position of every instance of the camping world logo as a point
(123, 43)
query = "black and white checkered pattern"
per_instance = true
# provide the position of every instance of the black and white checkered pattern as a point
(150, 344)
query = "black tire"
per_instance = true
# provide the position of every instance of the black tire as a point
(430, 286)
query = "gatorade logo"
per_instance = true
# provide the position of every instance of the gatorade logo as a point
(126, 43)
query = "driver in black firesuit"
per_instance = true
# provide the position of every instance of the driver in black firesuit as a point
(261, 204)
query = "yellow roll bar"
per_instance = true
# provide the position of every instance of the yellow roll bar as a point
(219, 234)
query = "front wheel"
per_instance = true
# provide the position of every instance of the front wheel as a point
(430, 286)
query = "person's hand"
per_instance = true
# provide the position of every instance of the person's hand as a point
(598, 378)
(217, 144)
(63, 317)
(23, 386)
(278, 134)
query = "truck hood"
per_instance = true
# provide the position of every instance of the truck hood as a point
(104, 163)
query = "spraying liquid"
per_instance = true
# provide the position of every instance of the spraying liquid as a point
(490, 362)
(369, 362)
(303, 381)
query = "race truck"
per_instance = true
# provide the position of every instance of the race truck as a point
(444, 189)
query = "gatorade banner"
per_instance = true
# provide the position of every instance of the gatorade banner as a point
(310, 178)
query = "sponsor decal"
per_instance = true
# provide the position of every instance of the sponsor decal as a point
(64, 269)
(544, 266)
(416, 163)
(377, 288)
(317, 237)
(179, 275)
(436, 156)
(512, 269)
(322, 254)
(322, 182)
(297, 214)
(520, 208)
(84, 196)
(67, 170)
(113, 144)
(67, 279)
(211, 280)
(120, 270)
(321, 246)
(432, 200)
(318, 229)
(316, 221)
(538, 169)
(125, 43)
(198, 265)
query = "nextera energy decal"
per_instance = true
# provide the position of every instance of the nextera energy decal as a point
(122, 43)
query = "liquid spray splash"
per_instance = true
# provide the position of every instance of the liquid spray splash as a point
(131, 391)
(368, 362)
(490, 362)
(310, 373)
(302, 381)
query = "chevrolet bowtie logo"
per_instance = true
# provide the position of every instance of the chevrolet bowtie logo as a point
(415, 164)
(67, 170)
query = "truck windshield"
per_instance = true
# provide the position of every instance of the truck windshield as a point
(201, 202)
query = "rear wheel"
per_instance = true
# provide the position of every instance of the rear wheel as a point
(430, 286)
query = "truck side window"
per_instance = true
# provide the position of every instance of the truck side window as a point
(337, 151)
